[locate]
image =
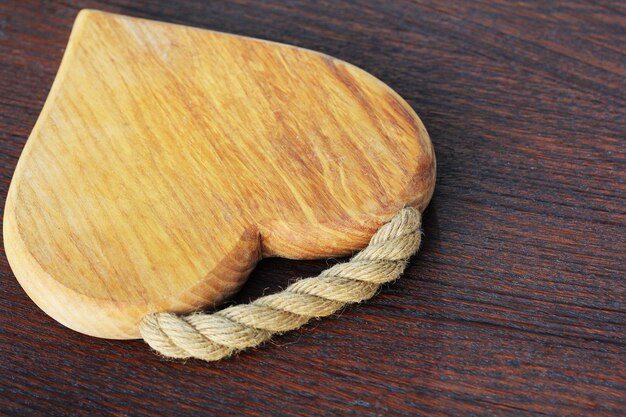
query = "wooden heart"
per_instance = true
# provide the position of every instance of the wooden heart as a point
(168, 160)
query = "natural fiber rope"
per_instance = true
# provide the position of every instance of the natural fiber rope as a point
(215, 336)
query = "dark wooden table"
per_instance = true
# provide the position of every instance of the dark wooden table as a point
(516, 303)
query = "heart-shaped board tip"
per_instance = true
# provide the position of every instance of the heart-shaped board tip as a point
(168, 160)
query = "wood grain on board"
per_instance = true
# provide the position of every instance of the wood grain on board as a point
(514, 304)
(167, 161)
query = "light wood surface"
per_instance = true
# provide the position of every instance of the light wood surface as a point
(168, 160)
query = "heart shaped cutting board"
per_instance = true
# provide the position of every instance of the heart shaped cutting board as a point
(167, 161)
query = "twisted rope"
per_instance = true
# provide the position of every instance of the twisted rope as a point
(215, 336)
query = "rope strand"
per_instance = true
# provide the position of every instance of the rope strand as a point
(215, 336)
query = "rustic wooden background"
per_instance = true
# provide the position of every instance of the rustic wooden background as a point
(516, 303)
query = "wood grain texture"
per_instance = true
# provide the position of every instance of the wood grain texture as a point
(168, 160)
(515, 304)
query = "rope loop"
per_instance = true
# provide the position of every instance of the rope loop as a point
(218, 335)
